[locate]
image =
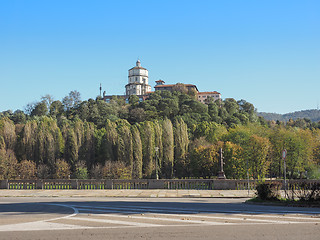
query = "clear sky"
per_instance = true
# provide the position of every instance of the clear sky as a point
(266, 52)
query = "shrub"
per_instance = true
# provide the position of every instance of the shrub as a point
(27, 169)
(305, 191)
(116, 170)
(269, 191)
(81, 171)
(62, 169)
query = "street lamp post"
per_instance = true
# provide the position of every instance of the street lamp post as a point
(156, 160)
(284, 156)
(221, 174)
(248, 179)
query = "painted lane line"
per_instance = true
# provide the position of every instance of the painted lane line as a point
(159, 219)
(192, 216)
(190, 210)
(43, 224)
(116, 222)
(38, 226)
(75, 212)
(110, 209)
(142, 209)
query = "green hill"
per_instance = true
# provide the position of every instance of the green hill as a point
(312, 114)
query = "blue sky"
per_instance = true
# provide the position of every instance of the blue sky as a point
(266, 52)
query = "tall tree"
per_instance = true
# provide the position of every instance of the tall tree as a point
(7, 131)
(181, 143)
(168, 149)
(137, 153)
(73, 99)
(147, 137)
(71, 149)
(125, 149)
(8, 164)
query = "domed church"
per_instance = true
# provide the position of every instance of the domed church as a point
(138, 81)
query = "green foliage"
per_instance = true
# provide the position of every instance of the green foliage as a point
(81, 171)
(269, 191)
(148, 148)
(204, 161)
(116, 170)
(8, 164)
(168, 149)
(62, 170)
(27, 169)
(137, 153)
(124, 137)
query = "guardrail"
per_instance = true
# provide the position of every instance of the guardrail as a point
(201, 184)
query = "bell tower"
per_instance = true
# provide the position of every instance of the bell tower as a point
(138, 81)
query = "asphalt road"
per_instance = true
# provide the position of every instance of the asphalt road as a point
(153, 218)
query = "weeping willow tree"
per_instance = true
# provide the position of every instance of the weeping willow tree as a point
(71, 149)
(109, 143)
(8, 133)
(50, 144)
(28, 141)
(147, 137)
(181, 143)
(125, 148)
(168, 149)
(137, 153)
(87, 150)
(158, 144)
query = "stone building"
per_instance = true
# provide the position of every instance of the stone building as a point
(138, 81)
(204, 97)
(138, 84)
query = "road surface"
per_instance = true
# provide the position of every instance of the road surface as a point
(153, 218)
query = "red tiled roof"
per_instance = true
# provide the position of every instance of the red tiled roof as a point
(202, 93)
(171, 85)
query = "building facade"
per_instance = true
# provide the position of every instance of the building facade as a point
(204, 97)
(138, 84)
(138, 81)
(160, 85)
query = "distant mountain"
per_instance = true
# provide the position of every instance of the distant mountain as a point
(312, 114)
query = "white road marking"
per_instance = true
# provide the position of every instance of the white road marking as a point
(191, 218)
(43, 224)
(38, 226)
(115, 209)
(187, 217)
(190, 210)
(186, 220)
(117, 222)
(177, 210)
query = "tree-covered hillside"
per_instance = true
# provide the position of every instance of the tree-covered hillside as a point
(313, 115)
(170, 132)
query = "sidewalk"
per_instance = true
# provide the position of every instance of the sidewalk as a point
(154, 193)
